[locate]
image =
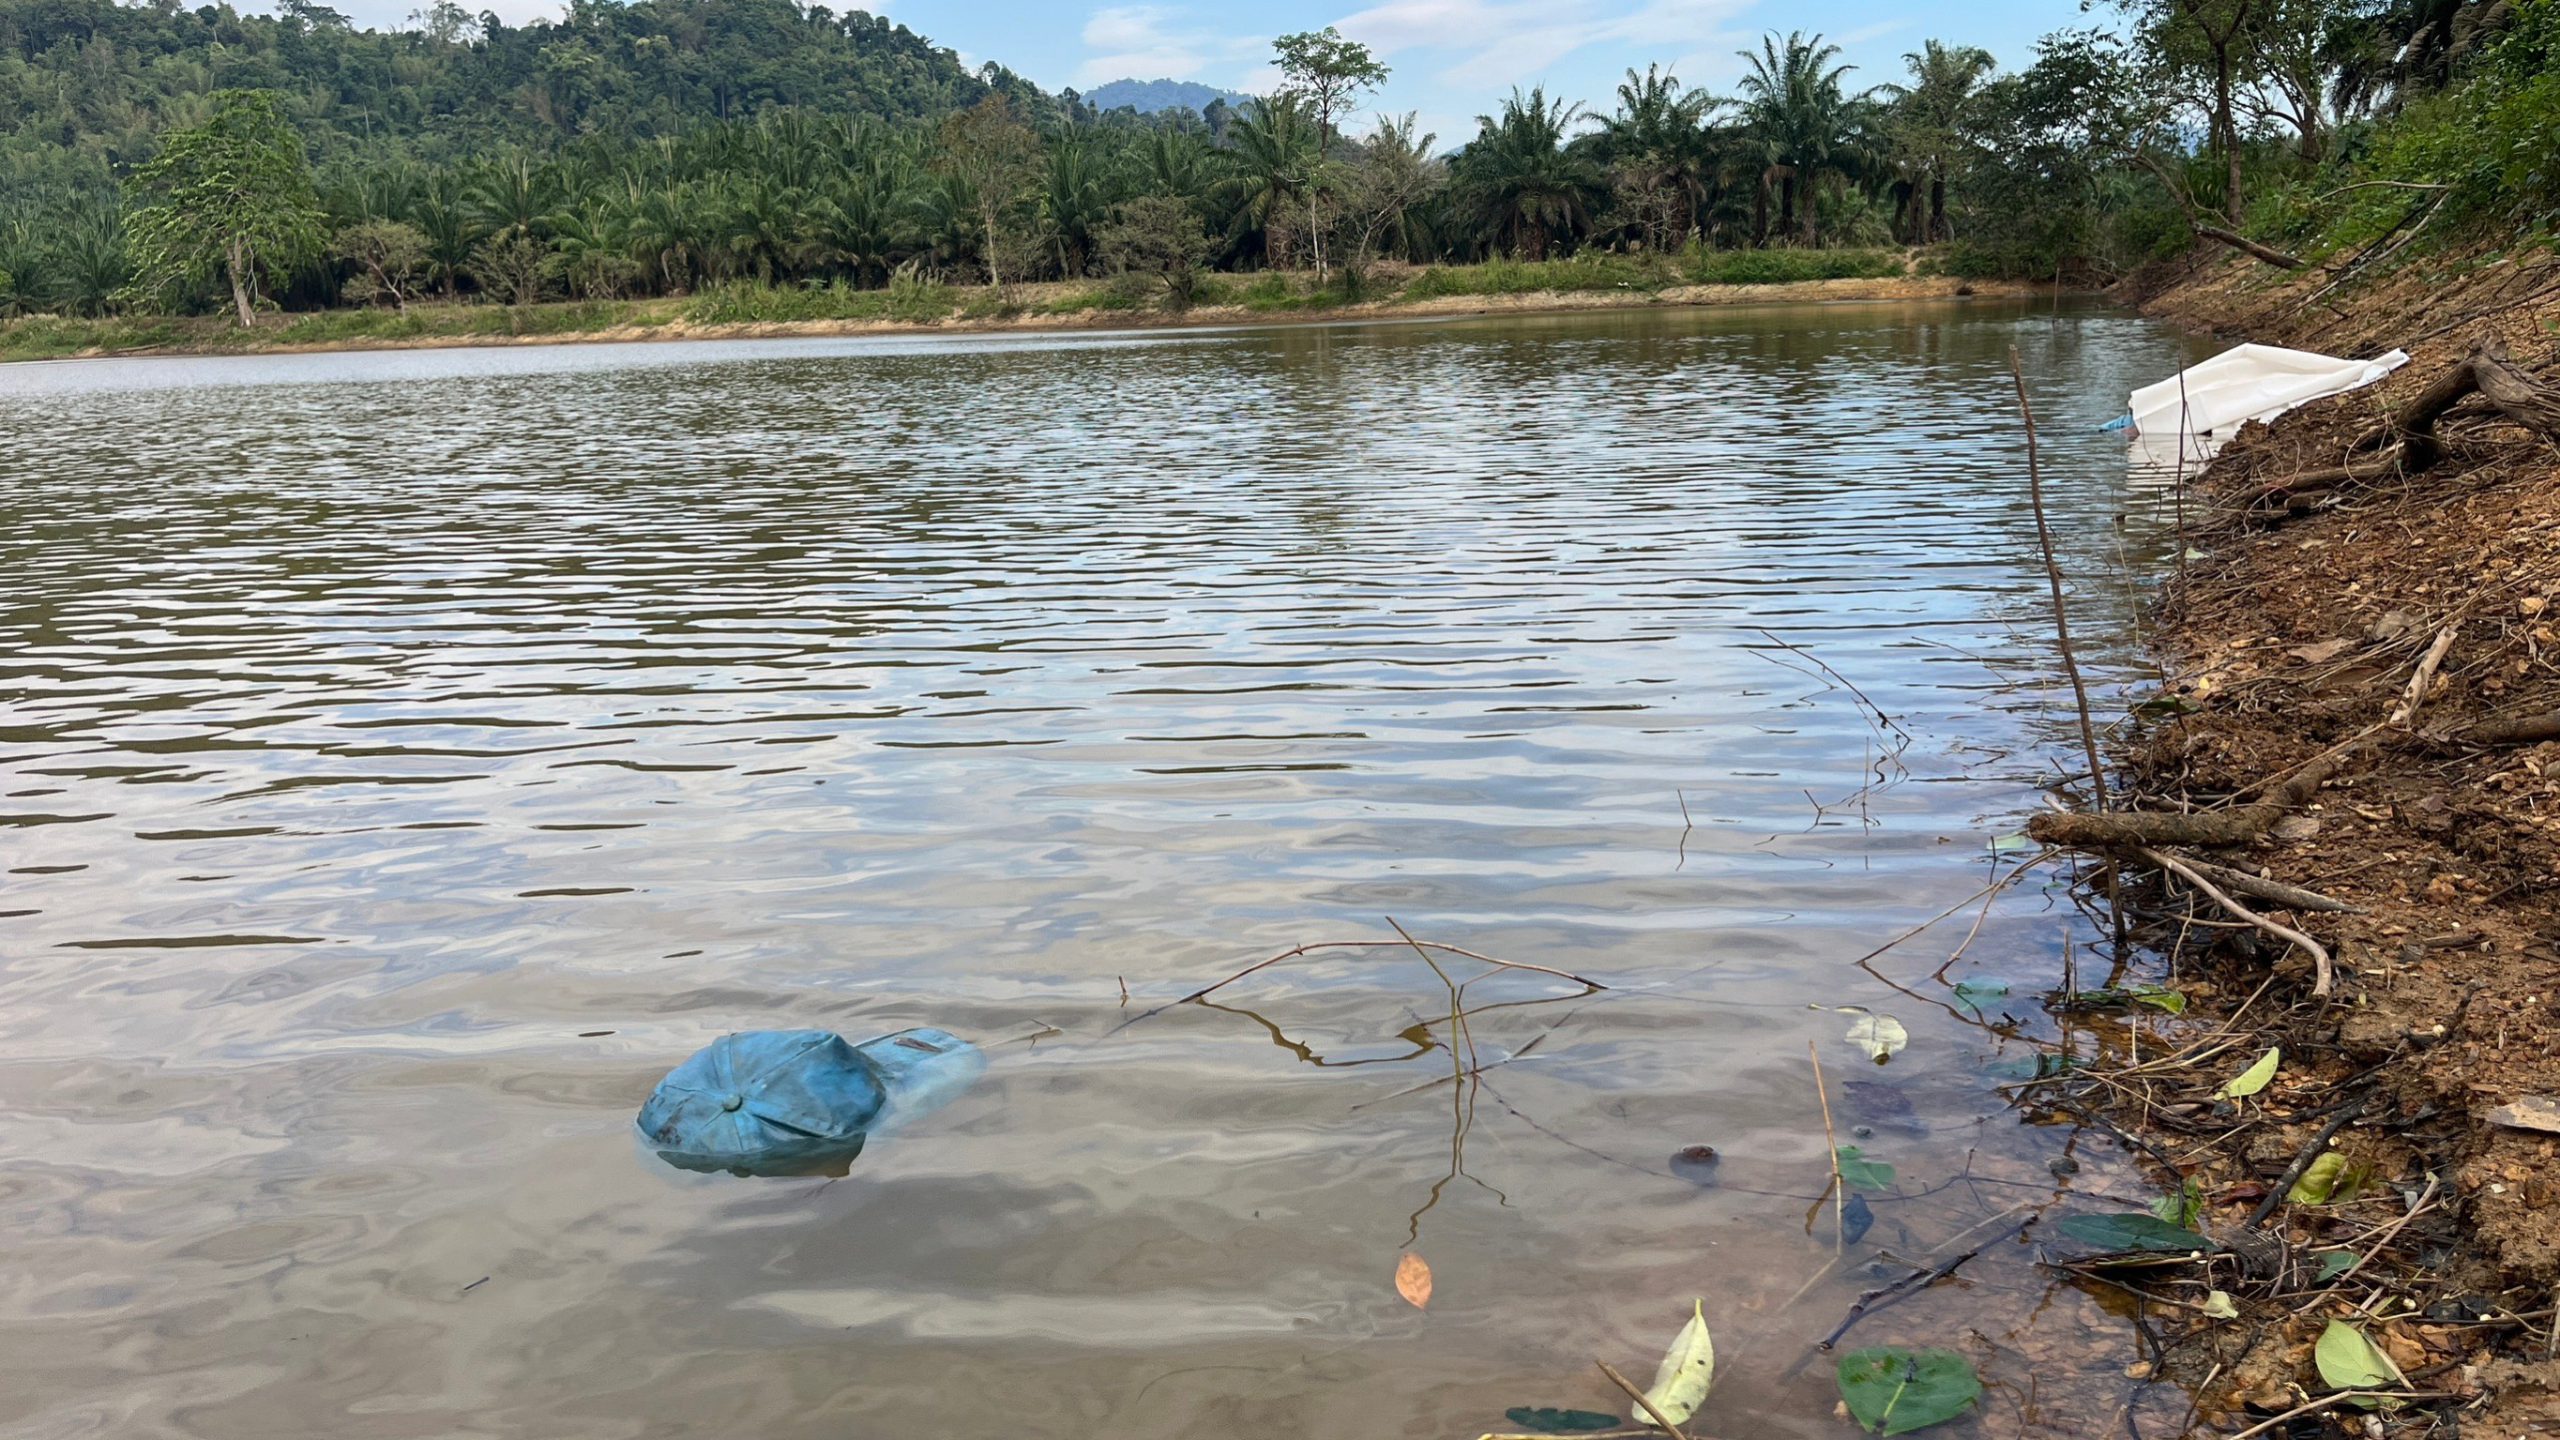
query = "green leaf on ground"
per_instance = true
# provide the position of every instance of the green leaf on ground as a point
(2160, 997)
(2319, 1181)
(1894, 1392)
(1547, 1420)
(2183, 1208)
(2254, 1079)
(2218, 1305)
(2132, 1230)
(2043, 1065)
(1861, 1173)
(2349, 1361)
(2335, 1264)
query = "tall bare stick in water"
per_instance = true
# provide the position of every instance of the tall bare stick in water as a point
(2053, 578)
(1839, 1185)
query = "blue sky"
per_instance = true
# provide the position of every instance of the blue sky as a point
(1451, 59)
(1454, 59)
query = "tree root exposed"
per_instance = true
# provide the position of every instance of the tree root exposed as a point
(2239, 825)
(2408, 443)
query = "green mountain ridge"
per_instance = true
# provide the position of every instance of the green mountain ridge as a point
(85, 85)
(1148, 97)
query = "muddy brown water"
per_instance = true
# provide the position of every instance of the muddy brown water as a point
(408, 757)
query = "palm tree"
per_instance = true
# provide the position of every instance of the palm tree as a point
(763, 223)
(445, 218)
(855, 225)
(1525, 187)
(1177, 164)
(510, 196)
(1074, 202)
(1274, 167)
(1657, 153)
(1393, 184)
(1928, 125)
(90, 261)
(664, 227)
(1804, 126)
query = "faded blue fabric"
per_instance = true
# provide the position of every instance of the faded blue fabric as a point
(798, 1102)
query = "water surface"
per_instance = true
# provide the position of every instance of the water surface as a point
(408, 757)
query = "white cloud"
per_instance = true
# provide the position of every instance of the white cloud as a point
(1865, 33)
(1153, 42)
(1490, 43)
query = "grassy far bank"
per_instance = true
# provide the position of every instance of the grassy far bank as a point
(918, 303)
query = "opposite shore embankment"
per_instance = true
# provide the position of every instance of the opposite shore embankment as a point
(465, 325)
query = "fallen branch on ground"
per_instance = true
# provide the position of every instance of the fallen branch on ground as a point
(2247, 246)
(2319, 955)
(2407, 444)
(2499, 730)
(2239, 825)
(2275, 892)
(2425, 674)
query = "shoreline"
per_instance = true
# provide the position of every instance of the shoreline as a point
(2360, 698)
(1887, 290)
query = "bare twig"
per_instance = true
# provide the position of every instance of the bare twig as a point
(1839, 1187)
(1997, 884)
(2384, 1236)
(1623, 1383)
(2340, 1398)
(2416, 695)
(2390, 184)
(2276, 892)
(1300, 951)
(1908, 1285)
(2321, 976)
(2053, 579)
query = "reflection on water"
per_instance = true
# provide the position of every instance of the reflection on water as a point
(407, 758)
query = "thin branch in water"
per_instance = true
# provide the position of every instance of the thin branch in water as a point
(1642, 1403)
(2053, 580)
(1301, 951)
(1839, 1188)
(2039, 858)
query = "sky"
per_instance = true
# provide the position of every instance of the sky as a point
(1450, 60)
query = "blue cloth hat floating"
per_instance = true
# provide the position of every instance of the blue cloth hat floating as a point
(799, 1102)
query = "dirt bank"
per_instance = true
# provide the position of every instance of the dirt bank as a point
(2363, 671)
(471, 323)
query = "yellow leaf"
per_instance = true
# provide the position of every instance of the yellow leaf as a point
(1413, 1281)
(1688, 1369)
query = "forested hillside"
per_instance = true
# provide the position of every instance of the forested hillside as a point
(85, 85)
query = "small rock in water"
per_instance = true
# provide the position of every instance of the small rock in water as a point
(1695, 1163)
(2063, 1165)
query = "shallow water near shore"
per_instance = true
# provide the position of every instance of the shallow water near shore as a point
(408, 757)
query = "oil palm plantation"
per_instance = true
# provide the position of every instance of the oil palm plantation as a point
(1805, 128)
(1075, 202)
(1522, 185)
(1271, 173)
(1657, 150)
(1927, 129)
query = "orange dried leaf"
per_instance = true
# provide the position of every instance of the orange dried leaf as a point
(1413, 1281)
